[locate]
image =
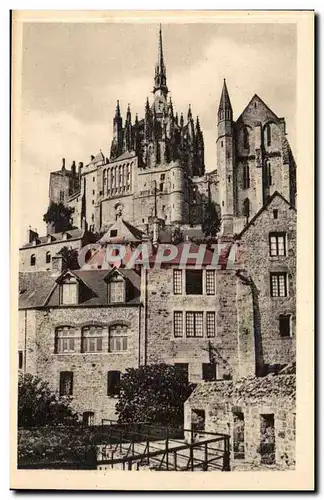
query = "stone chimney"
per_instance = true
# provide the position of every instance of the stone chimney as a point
(57, 264)
(155, 231)
(63, 163)
(32, 235)
(73, 169)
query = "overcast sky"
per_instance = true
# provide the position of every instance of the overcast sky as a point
(74, 73)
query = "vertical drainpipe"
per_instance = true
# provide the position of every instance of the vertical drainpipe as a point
(25, 343)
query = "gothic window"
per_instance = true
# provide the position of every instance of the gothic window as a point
(92, 338)
(278, 284)
(194, 324)
(48, 257)
(245, 137)
(246, 176)
(116, 289)
(33, 260)
(177, 281)
(65, 339)
(118, 338)
(178, 323)
(210, 282)
(66, 383)
(246, 208)
(268, 134)
(277, 244)
(211, 324)
(113, 383)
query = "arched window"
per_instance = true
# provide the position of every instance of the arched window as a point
(118, 337)
(246, 208)
(116, 289)
(268, 134)
(92, 338)
(33, 260)
(65, 339)
(48, 257)
(245, 138)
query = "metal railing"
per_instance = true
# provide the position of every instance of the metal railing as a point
(156, 447)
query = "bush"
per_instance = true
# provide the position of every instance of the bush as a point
(153, 393)
(38, 406)
(59, 215)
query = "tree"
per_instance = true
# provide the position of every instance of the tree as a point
(39, 406)
(153, 393)
(60, 216)
(70, 258)
(211, 222)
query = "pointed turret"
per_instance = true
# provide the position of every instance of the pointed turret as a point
(181, 120)
(128, 142)
(160, 71)
(117, 142)
(128, 115)
(225, 111)
(117, 112)
(189, 113)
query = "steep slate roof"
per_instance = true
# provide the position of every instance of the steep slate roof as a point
(38, 289)
(255, 390)
(73, 234)
(265, 206)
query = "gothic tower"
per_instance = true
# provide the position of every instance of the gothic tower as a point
(225, 160)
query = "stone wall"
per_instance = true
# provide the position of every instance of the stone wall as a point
(40, 252)
(162, 345)
(258, 263)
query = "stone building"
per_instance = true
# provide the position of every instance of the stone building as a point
(221, 321)
(259, 414)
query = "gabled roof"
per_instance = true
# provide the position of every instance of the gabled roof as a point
(265, 207)
(257, 99)
(124, 156)
(126, 232)
(72, 234)
(40, 289)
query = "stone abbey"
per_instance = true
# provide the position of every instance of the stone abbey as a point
(81, 328)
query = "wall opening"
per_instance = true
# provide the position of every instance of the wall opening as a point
(198, 420)
(238, 436)
(267, 439)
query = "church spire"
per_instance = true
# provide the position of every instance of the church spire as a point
(225, 111)
(160, 71)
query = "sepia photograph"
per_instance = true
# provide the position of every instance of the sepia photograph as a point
(162, 311)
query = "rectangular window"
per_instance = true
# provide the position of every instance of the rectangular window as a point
(210, 282)
(277, 244)
(177, 281)
(209, 372)
(183, 368)
(278, 284)
(66, 383)
(113, 383)
(92, 339)
(194, 282)
(116, 289)
(65, 339)
(285, 325)
(194, 324)
(275, 213)
(210, 324)
(20, 360)
(61, 196)
(118, 338)
(69, 293)
(178, 323)
(88, 418)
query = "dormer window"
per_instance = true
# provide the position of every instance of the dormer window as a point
(113, 233)
(69, 291)
(116, 289)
